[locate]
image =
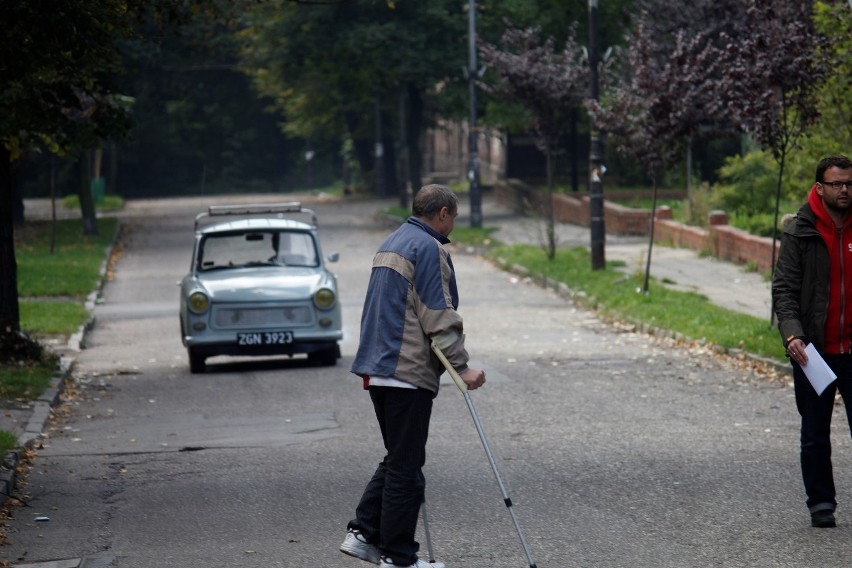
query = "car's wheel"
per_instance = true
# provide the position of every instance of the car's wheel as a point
(196, 362)
(325, 358)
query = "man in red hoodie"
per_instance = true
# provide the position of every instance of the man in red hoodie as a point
(812, 295)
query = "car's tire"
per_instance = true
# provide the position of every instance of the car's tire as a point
(196, 362)
(325, 358)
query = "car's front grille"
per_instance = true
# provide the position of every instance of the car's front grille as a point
(243, 318)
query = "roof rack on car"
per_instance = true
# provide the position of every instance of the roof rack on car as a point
(249, 210)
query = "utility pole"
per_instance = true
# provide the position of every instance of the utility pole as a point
(473, 170)
(596, 209)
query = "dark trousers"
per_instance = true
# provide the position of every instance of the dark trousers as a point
(816, 412)
(388, 511)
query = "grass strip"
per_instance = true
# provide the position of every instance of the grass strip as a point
(72, 268)
(52, 287)
(52, 317)
(25, 381)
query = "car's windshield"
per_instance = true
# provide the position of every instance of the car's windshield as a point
(272, 248)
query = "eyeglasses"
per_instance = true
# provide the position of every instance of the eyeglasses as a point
(838, 185)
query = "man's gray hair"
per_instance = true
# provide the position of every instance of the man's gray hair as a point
(432, 198)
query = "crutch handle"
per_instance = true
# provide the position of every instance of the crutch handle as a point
(453, 373)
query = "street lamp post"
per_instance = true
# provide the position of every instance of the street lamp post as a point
(473, 169)
(596, 209)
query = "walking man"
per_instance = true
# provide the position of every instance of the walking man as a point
(411, 301)
(812, 294)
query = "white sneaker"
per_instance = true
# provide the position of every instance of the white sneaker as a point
(355, 545)
(388, 563)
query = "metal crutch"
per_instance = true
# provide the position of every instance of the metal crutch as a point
(506, 499)
(426, 530)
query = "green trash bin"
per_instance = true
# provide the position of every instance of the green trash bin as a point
(98, 188)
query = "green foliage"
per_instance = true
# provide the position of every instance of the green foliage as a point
(319, 85)
(615, 296)
(748, 187)
(696, 209)
(832, 132)
(58, 69)
(199, 125)
(748, 184)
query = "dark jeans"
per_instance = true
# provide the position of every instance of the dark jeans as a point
(816, 412)
(388, 511)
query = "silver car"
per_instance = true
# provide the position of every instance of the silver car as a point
(258, 285)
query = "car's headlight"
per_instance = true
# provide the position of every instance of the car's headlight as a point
(198, 302)
(324, 298)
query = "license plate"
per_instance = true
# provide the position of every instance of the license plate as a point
(265, 338)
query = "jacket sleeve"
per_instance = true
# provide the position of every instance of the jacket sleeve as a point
(438, 318)
(787, 288)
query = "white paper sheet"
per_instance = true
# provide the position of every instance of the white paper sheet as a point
(817, 370)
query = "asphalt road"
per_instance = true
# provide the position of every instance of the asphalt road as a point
(618, 449)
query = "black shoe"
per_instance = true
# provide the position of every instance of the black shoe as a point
(823, 519)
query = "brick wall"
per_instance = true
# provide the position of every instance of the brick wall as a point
(620, 220)
(721, 240)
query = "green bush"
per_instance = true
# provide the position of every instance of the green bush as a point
(748, 184)
(748, 192)
(698, 206)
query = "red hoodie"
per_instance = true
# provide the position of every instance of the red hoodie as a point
(838, 240)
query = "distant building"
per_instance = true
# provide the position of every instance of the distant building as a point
(501, 156)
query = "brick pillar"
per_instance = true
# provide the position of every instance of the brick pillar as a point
(664, 212)
(717, 217)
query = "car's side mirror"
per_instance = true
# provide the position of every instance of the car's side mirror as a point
(333, 257)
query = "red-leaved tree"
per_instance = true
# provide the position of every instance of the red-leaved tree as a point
(773, 70)
(550, 84)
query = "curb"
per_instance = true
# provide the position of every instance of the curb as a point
(43, 405)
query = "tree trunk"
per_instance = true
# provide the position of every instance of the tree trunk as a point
(575, 153)
(781, 162)
(17, 199)
(651, 237)
(10, 317)
(402, 157)
(363, 147)
(87, 203)
(551, 221)
(414, 132)
(112, 172)
(390, 162)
